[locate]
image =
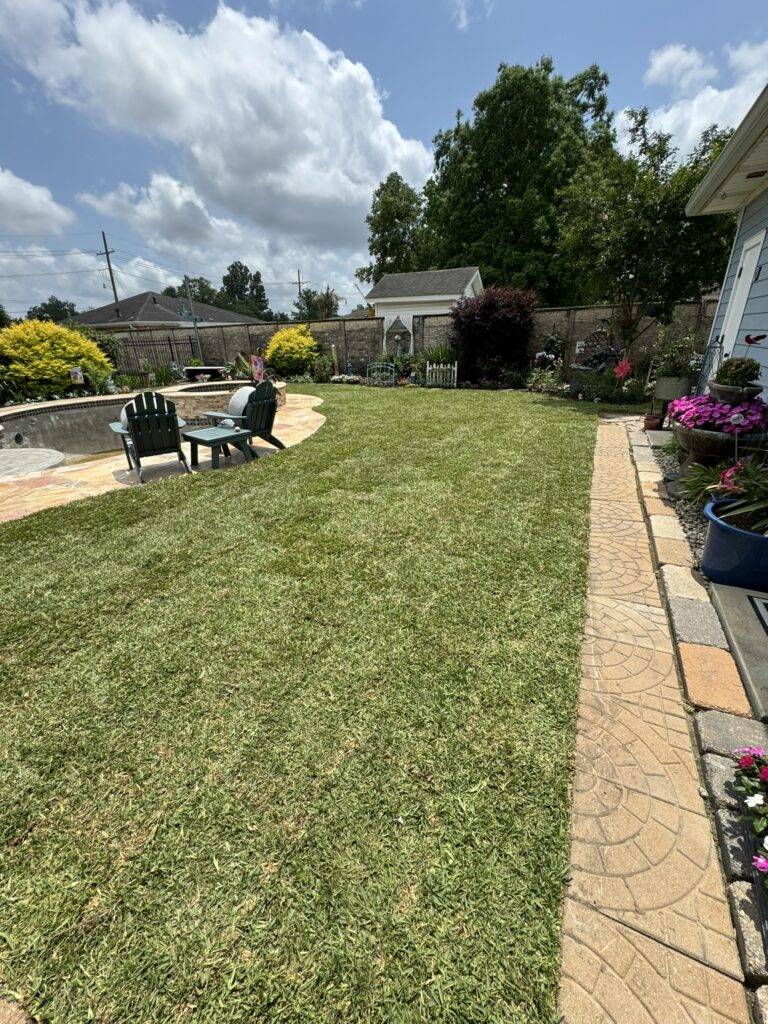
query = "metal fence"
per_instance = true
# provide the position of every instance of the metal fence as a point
(380, 374)
(137, 355)
(441, 375)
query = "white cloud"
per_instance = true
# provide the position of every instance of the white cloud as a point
(686, 116)
(681, 67)
(462, 11)
(165, 211)
(29, 209)
(274, 128)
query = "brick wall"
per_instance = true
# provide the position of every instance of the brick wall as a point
(359, 342)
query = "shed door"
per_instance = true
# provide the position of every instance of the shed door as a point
(750, 254)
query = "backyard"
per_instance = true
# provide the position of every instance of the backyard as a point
(293, 742)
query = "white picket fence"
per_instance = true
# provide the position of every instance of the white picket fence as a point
(441, 375)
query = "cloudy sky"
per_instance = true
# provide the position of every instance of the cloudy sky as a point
(196, 134)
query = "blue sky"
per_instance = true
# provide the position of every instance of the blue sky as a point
(196, 135)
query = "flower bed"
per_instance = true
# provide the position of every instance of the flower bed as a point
(703, 412)
(752, 786)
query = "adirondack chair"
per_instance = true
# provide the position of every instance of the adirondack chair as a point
(253, 409)
(149, 426)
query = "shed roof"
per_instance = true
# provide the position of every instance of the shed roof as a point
(422, 283)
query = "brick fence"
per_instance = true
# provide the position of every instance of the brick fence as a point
(359, 342)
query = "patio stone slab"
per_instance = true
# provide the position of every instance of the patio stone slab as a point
(760, 1005)
(654, 488)
(639, 749)
(745, 617)
(659, 438)
(750, 939)
(720, 776)
(659, 507)
(712, 679)
(680, 581)
(720, 733)
(622, 516)
(12, 1013)
(647, 476)
(614, 975)
(639, 437)
(637, 675)
(666, 528)
(622, 568)
(696, 622)
(734, 848)
(628, 622)
(672, 552)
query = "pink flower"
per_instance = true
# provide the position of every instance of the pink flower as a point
(746, 761)
(760, 863)
(728, 481)
(764, 774)
(622, 370)
(754, 751)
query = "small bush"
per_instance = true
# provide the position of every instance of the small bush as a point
(322, 368)
(492, 333)
(545, 382)
(738, 373)
(291, 351)
(39, 355)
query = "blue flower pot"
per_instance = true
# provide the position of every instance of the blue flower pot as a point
(735, 557)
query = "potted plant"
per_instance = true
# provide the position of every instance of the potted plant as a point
(736, 381)
(709, 430)
(736, 549)
(674, 362)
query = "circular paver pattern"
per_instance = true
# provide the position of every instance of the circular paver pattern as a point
(16, 462)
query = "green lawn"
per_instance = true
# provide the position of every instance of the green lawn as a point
(292, 743)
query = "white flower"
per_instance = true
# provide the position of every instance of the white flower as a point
(765, 843)
(755, 801)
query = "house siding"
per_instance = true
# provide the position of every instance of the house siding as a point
(755, 318)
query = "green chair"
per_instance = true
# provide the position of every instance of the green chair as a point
(149, 426)
(252, 408)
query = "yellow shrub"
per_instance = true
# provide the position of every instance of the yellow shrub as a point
(291, 351)
(39, 355)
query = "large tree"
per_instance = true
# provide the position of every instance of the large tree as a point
(5, 320)
(52, 309)
(494, 198)
(243, 291)
(397, 236)
(200, 288)
(314, 305)
(624, 229)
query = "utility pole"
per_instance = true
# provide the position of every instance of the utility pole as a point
(194, 318)
(298, 278)
(108, 252)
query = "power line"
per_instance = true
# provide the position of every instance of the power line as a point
(9, 254)
(56, 273)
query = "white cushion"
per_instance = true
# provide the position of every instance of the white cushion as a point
(239, 400)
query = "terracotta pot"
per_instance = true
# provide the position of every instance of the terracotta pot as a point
(651, 422)
(731, 395)
(667, 388)
(714, 445)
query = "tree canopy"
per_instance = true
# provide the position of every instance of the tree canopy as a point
(52, 309)
(534, 190)
(314, 305)
(624, 229)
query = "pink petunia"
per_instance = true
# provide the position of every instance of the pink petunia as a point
(746, 762)
(760, 863)
(764, 774)
(754, 751)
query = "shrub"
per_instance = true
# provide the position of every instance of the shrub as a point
(291, 351)
(738, 373)
(675, 356)
(322, 368)
(492, 333)
(545, 382)
(39, 354)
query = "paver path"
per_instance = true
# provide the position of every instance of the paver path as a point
(32, 491)
(647, 933)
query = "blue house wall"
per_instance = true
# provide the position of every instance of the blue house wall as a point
(755, 319)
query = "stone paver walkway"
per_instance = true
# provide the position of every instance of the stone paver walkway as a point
(32, 491)
(647, 931)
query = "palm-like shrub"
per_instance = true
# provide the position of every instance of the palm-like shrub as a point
(492, 333)
(291, 351)
(38, 355)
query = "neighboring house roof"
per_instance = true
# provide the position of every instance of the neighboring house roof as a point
(439, 283)
(152, 307)
(741, 170)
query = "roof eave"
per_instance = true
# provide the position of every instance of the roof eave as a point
(748, 133)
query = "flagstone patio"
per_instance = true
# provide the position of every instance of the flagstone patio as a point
(647, 930)
(33, 489)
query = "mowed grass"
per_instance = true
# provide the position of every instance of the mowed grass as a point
(292, 743)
